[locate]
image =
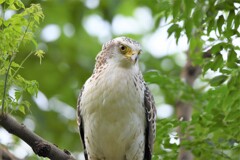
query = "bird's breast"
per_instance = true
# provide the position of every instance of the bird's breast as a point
(112, 110)
(113, 90)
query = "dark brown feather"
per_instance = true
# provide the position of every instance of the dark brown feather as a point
(80, 123)
(150, 130)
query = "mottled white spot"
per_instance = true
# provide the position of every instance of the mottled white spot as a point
(51, 33)
(134, 24)
(43, 47)
(81, 156)
(5, 137)
(180, 59)
(236, 42)
(167, 64)
(64, 109)
(164, 111)
(41, 101)
(159, 44)
(68, 29)
(12, 91)
(22, 150)
(91, 4)
(8, 14)
(97, 26)
(174, 138)
(29, 123)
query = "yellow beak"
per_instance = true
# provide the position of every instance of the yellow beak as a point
(132, 55)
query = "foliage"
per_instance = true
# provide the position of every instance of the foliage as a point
(16, 31)
(210, 26)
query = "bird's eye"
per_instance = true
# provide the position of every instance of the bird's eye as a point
(123, 48)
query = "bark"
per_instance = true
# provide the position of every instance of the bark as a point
(184, 110)
(40, 146)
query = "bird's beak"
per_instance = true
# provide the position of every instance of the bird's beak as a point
(133, 56)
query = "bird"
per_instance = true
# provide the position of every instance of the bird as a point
(115, 109)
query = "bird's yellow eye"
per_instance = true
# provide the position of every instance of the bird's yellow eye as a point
(123, 48)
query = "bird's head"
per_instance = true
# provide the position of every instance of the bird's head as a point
(122, 50)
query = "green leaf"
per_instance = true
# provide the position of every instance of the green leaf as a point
(225, 6)
(218, 62)
(20, 4)
(237, 21)
(32, 87)
(34, 42)
(228, 33)
(197, 17)
(164, 5)
(40, 54)
(172, 29)
(176, 8)
(1, 21)
(12, 7)
(157, 19)
(10, 2)
(218, 80)
(26, 104)
(211, 39)
(22, 109)
(232, 116)
(18, 94)
(178, 34)
(230, 18)
(1, 1)
(220, 22)
(195, 47)
(210, 26)
(188, 6)
(176, 30)
(14, 64)
(232, 59)
(188, 27)
(220, 46)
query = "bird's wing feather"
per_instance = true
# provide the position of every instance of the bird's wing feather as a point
(80, 123)
(150, 130)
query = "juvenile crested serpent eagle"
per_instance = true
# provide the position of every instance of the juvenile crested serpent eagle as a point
(116, 111)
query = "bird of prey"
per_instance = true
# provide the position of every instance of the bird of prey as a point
(116, 111)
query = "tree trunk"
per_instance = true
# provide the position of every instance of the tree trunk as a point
(184, 110)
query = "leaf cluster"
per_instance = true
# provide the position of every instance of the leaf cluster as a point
(211, 28)
(16, 31)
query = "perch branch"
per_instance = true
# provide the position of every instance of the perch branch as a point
(40, 146)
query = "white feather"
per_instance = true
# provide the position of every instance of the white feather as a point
(113, 115)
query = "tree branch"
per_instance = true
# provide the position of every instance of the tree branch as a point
(6, 155)
(40, 146)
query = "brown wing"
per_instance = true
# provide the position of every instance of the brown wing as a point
(80, 123)
(150, 131)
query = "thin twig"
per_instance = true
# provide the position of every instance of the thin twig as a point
(30, 19)
(21, 64)
(5, 82)
(9, 66)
